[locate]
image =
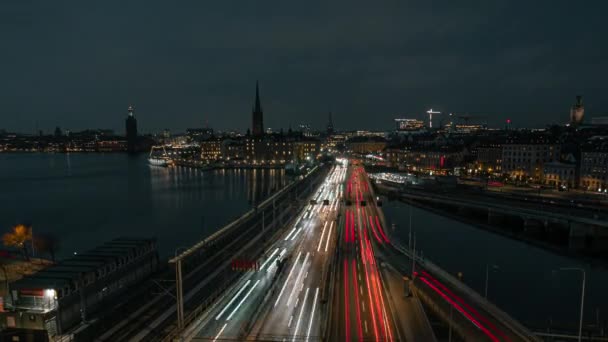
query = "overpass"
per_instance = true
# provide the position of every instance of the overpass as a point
(572, 229)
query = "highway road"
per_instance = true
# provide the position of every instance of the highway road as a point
(361, 311)
(465, 309)
(280, 297)
(297, 309)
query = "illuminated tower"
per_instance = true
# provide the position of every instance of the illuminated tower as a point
(577, 112)
(131, 128)
(257, 127)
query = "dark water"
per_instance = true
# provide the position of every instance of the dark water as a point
(524, 285)
(86, 199)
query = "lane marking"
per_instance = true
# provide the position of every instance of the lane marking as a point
(295, 333)
(297, 283)
(219, 333)
(243, 300)
(312, 315)
(329, 235)
(287, 280)
(232, 300)
(322, 234)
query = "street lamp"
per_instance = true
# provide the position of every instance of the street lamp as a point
(580, 324)
(494, 267)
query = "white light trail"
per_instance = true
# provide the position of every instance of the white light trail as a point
(295, 334)
(219, 333)
(232, 300)
(297, 283)
(242, 300)
(295, 226)
(312, 315)
(268, 259)
(322, 234)
(329, 235)
(287, 280)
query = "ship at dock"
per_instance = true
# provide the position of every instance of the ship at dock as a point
(159, 157)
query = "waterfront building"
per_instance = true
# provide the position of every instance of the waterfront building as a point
(56, 299)
(270, 149)
(489, 159)
(594, 165)
(366, 144)
(524, 155)
(436, 160)
(211, 149)
(561, 175)
(306, 149)
(257, 126)
(334, 142)
(131, 130)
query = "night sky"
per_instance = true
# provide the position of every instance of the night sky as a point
(80, 64)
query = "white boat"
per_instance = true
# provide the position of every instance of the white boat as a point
(162, 159)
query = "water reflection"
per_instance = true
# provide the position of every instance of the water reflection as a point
(524, 285)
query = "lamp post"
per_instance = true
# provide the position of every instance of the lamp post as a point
(179, 289)
(580, 324)
(494, 267)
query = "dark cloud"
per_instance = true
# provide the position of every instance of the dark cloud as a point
(79, 64)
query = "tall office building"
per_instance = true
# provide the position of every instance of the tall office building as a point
(257, 127)
(131, 128)
(577, 112)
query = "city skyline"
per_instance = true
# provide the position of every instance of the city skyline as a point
(367, 65)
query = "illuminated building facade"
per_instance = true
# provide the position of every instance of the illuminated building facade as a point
(524, 157)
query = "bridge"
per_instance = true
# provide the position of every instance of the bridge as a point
(319, 265)
(570, 228)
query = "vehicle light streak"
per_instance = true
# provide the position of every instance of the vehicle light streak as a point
(295, 334)
(295, 226)
(371, 305)
(352, 226)
(377, 302)
(371, 224)
(386, 321)
(312, 315)
(220, 333)
(329, 236)
(347, 227)
(268, 259)
(460, 309)
(287, 280)
(467, 306)
(322, 234)
(297, 283)
(380, 229)
(242, 300)
(232, 300)
(356, 286)
(346, 304)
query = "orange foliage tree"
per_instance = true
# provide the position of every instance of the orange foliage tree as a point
(18, 237)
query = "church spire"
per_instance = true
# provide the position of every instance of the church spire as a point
(258, 116)
(258, 106)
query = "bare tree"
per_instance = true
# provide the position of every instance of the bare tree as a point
(47, 243)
